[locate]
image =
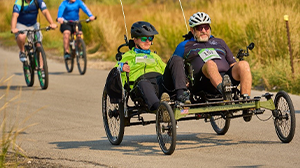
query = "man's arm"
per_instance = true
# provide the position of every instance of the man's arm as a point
(86, 10)
(47, 15)
(14, 22)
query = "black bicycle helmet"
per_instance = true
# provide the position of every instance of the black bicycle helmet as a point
(141, 28)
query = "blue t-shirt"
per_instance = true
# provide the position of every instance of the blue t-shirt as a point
(70, 10)
(29, 14)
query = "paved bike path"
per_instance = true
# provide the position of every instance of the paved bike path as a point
(70, 131)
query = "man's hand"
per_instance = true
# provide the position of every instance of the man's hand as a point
(92, 18)
(53, 26)
(15, 30)
(60, 20)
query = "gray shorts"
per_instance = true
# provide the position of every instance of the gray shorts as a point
(35, 26)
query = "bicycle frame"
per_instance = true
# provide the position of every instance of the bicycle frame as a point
(32, 42)
(36, 58)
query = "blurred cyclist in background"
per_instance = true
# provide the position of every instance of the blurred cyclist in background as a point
(24, 16)
(69, 10)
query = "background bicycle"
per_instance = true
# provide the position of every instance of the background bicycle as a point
(36, 59)
(77, 48)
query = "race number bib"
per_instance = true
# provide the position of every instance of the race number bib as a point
(145, 59)
(208, 54)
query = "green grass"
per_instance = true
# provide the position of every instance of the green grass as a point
(237, 22)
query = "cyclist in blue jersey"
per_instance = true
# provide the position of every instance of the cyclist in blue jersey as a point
(69, 10)
(213, 63)
(24, 16)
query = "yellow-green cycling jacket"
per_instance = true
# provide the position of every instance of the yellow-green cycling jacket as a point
(140, 64)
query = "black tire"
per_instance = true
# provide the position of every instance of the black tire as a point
(42, 67)
(219, 124)
(113, 119)
(70, 62)
(81, 56)
(284, 118)
(166, 128)
(247, 116)
(28, 70)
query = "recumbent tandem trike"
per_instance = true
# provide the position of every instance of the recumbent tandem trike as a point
(117, 113)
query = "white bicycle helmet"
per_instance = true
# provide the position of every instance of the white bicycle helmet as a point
(199, 18)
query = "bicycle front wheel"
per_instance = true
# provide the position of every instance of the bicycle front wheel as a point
(70, 62)
(81, 56)
(28, 72)
(42, 68)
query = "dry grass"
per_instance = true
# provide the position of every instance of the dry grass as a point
(11, 128)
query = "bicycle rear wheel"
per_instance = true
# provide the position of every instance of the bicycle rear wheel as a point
(81, 56)
(284, 117)
(70, 62)
(28, 71)
(42, 67)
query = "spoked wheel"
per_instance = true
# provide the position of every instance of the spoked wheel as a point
(284, 117)
(28, 72)
(81, 56)
(42, 68)
(113, 119)
(219, 124)
(70, 62)
(166, 128)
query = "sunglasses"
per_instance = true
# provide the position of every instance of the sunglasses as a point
(144, 39)
(200, 27)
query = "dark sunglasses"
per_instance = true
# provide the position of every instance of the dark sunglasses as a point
(200, 27)
(144, 39)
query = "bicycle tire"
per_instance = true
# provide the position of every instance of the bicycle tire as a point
(284, 120)
(219, 124)
(28, 69)
(81, 56)
(166, 128)
(70, 62)
(42, 71)
(113, 119)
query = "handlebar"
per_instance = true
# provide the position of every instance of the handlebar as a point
(77, 21)
(34, 30)
(244, 53)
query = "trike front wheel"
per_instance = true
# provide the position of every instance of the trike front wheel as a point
(113, 119)
(220, 124)
(166, 128)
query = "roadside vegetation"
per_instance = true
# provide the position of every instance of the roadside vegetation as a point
(237, 22)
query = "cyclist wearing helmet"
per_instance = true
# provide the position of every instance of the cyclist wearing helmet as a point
(24, 16)
(69, 10)
(213, 63)
(145, 67)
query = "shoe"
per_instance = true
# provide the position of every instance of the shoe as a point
(165, 97)
(23, 57)
(184, 98)
(245, 96)
(67, 56)
(226, 88)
